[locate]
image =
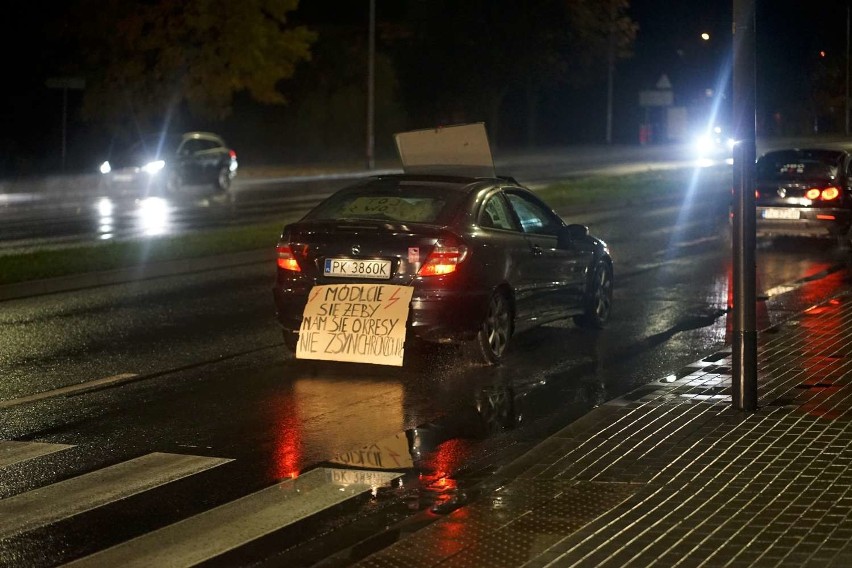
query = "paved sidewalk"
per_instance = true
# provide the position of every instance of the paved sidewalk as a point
(672, 475)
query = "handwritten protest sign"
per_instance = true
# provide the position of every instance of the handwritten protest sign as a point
(357, 323)
(389, 453)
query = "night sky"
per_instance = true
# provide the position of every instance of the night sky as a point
(791, 35)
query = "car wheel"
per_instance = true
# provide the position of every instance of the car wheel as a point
(844, 241)
(223, 180)
(493, 336)
(291, 339)
(598, 302)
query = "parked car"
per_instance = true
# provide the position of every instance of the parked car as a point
(172, 164)
(486, 258)
(804, 193)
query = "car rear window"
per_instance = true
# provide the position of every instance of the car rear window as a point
(408, 204)
(788, 165)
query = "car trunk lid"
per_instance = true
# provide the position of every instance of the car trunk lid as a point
(383, 251)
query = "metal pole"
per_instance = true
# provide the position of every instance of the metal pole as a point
(744, 347)
(64, 123)
(371, 63)
(847, 69)
(610, 71)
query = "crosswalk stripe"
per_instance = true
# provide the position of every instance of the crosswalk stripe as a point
(73, 496)
(234, 524)
(15, 452)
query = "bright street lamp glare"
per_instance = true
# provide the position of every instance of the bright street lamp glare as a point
(705, 36)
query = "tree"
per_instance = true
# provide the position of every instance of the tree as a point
(144, 59)
(466, 58)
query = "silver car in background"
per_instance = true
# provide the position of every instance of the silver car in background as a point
(172, 165)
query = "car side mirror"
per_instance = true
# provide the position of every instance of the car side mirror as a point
(571, 233)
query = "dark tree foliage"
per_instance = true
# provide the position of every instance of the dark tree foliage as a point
(465, 58)
(143, 59)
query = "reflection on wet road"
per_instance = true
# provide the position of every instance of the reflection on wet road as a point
(210, 376)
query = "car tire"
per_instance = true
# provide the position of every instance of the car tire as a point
(223, 180)
(493, 336)
(598, 301)
(291, 339)
(844, 241)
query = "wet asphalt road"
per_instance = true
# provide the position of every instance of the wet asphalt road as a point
(39, 215)
(204, 373)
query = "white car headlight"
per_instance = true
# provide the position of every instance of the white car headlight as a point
(153, 167)
(105, 168)
(704, 144)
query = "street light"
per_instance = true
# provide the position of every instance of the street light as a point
(705, 36)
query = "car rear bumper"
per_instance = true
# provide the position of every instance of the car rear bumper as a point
(439, 315)
(816, 223)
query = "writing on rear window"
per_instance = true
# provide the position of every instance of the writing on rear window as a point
(395, 208)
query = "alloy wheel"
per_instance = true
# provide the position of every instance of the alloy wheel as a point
(496, 329)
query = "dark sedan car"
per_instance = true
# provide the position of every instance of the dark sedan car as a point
(172, 164)
(804, 193)
(485, 257)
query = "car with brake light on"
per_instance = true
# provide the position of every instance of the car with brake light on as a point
(804, 193)
(172, 165)
(485, 256)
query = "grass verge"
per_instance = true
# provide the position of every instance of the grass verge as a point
(622, 190)
(637, 188)
(112, 255)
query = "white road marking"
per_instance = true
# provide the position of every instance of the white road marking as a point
(66, 390)
(14, 452)
(73, 496)
(233, 524)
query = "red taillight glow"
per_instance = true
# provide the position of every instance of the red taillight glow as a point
(826, 194)
(233, 155)
(287, 260)
(830, 193)
(826, 217)
(443, 260)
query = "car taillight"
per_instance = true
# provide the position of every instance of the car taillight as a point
(232, 154)
(443, 260)
(826, 194)
(830, 193)
(286, 259)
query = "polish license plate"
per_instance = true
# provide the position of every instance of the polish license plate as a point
(780, 213)
(122, 177)
(348, 268)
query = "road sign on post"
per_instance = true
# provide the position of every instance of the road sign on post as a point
(65, 83)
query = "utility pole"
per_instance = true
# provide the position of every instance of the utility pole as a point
(846, 106)
(610, 70)
(65, 83)
(371, 80)
(744, 345)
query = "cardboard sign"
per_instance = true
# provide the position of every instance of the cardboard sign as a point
(356, 323)
(460, 149)
(390, 453)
